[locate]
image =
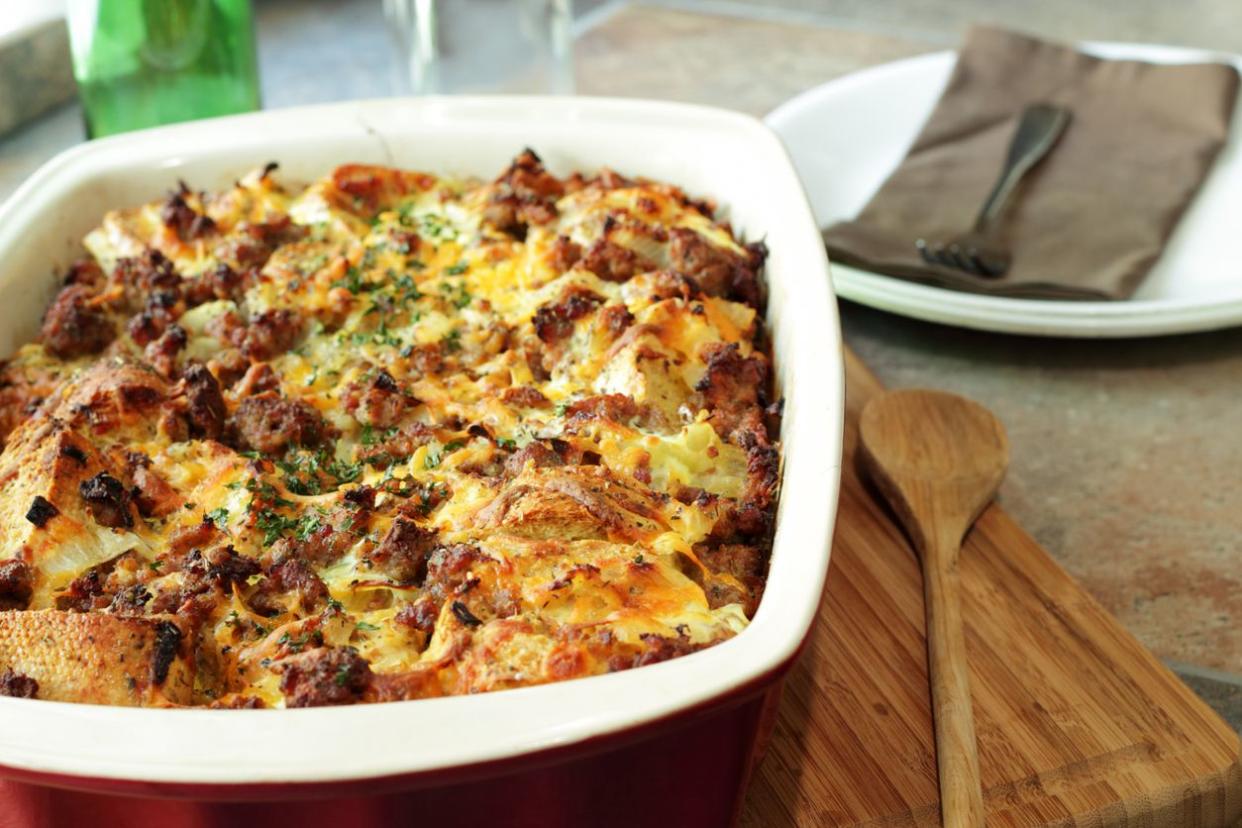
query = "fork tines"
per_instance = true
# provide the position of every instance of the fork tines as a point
(955, 256)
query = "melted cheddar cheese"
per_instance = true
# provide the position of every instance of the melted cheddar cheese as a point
(392, 436)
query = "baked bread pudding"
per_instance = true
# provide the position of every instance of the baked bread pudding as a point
(387, 437)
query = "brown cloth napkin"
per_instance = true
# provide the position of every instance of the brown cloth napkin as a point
(1090, 220)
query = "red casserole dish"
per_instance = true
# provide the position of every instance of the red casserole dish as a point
(668, 744)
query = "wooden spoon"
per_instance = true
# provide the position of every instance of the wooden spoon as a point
(938, 459)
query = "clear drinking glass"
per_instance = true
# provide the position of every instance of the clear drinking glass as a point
(455, 46)
(140, 63)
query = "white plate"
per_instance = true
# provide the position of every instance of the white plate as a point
(848, 135)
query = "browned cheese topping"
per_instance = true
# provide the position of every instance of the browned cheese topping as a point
(387, 437)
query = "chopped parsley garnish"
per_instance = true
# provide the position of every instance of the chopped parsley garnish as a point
(307, 525)
(457, 269)
(380, 336)
(220, 517)
(431, 225)
(273, 525)
(370, 437)
(456, 295)
(506, 443)
(353, 282)
(313, 472)
(409, 290)
(295, 645)
(366, 627)
(267, 493)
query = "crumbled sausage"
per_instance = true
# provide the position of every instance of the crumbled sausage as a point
(229, 366)
(142, 276)
(184, 220)
(426, 360)
(152, 494)
(218, 567)
(323, 676)
(84, 593)
(403, 552)
(391, 447)
(362, 497)
(379, 401)
(716, 271)
(743, 563)
(271, 333)
(536, 452)
(525, 194)
(131, 600)
(270, 424)
(250, 245)
(615, 319)
(162, 352)
(291, 577)
(190, 537)
(205, 402)
(18, 685)
(85, 272)
(656, 648)
(221, 282)
(421, 614)
(555, 320)
(612, 262)
(616, 407)
(524, 396)
(322, 547)
(16, 584)
(564, 254)
(449, 566)
(107, 501)
(144, 327)
(160, 309)
(74, 326)
(733, 385)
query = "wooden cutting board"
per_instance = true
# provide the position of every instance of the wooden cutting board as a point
(1078, 725)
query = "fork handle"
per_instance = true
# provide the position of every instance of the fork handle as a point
(1038, 131)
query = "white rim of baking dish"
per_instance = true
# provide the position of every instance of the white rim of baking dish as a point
(245, 747)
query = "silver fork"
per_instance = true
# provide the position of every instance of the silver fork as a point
(981, 251)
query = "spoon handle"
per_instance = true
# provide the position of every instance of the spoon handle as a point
(957, 755)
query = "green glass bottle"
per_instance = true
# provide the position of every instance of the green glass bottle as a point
(141, 63)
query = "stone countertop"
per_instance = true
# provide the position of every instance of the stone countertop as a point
(1124, 462)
